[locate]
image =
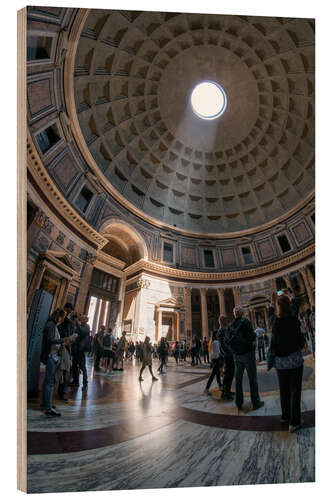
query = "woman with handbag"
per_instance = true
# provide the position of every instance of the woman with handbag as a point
(215, 357)
(286, 345)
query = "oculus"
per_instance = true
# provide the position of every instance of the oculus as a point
(208, 100)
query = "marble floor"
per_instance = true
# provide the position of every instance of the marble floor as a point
(121, 434)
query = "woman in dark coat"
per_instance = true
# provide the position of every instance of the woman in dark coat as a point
(286, 344)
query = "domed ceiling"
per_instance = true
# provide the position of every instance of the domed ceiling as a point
(134, 75)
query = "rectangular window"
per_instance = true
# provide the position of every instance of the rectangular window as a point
(39, 47)
(209, 258)
(84, 198)
(168, 252)
(284, 243)
(48, 138)
(247, 255)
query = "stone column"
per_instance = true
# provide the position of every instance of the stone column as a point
(35, 282)
(188, 312)
(273, 286)
(204, 314)
(266, 318)
(220, 293)
(121, 298)
(96, 315)
(84, 284)
(101, 314)
(159, 327)
(237, 295)
(307, 286)
(288, 281)
(310, 277)
(138, 315)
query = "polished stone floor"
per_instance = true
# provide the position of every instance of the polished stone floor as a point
(165, 434)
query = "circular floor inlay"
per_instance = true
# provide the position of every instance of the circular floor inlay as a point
(208, 100)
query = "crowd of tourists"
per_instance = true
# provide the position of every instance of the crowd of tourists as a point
(229, 351)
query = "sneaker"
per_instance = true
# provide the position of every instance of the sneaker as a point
(52, 413)
(154, 378)
(140, 379)
(84, 387)
(258, 405)
(294, 428)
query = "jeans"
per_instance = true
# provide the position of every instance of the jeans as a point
(261, 350)
(248, 361)
(290, 382)
(79, 363)
(49, 381)
(206, 356)
(99, 354)
(229, 372)
(215, 373)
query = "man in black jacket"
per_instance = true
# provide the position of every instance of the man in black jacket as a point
(229, 364)
(243, 345)
(78, 350)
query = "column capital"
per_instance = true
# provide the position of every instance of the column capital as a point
(203, 291)
(220, 291)
(188, 291)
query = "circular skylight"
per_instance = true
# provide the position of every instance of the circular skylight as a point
(208, 100)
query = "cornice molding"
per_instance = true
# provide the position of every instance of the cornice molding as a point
(69, 67)
(278, 268)
(46, 184)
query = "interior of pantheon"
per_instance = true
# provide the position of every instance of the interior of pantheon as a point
(153, 219)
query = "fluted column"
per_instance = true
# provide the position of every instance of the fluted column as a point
(188, 312)
(237, 295)
(307, 286)
(220, 293)
(101, 314)
(204, 314)
(96, 315)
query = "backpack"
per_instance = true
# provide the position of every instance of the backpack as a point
(107, 340)
(238, 342)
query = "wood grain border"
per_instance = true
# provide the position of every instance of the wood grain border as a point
(21, 250)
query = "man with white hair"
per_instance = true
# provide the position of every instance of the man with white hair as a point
(242, 341)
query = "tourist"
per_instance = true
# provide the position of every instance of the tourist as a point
(108, 354)
(78, 350)
(197, 349)
(260, 333)
(176, 351)
(205, 350)
(243, 345)
(162, 352)
(193, 348)
(120, 351)
(216, 360)
(66, 329)
(50, 357)
(184, 351)
(99, 346)
(286, 345)
(147, 359)
(229, 364)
